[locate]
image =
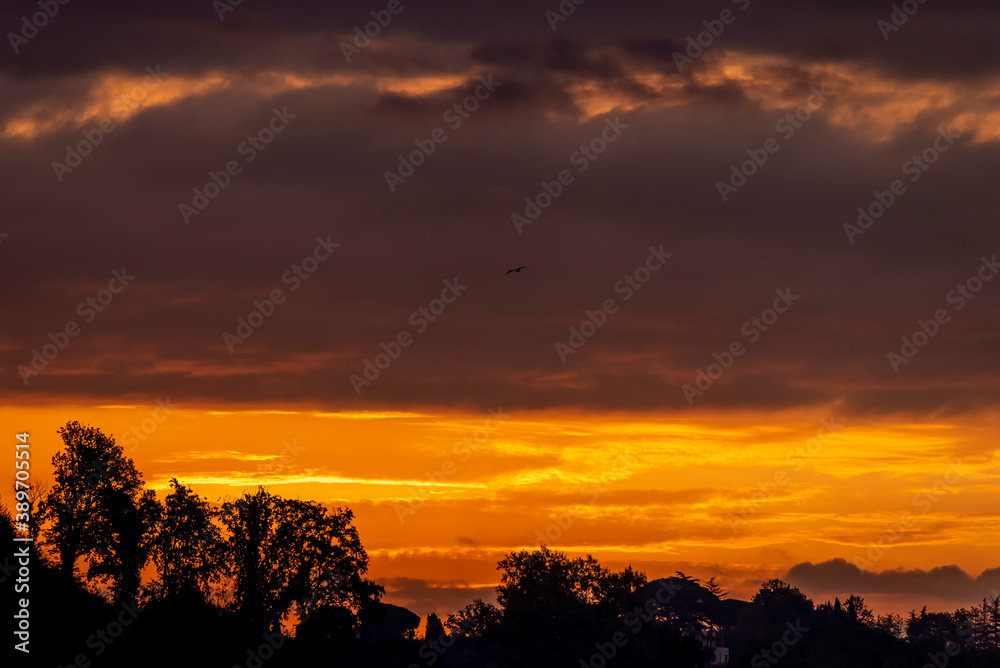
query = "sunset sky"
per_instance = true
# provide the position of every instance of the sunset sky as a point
(740, 402)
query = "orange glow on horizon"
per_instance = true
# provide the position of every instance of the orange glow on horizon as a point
(654, 490)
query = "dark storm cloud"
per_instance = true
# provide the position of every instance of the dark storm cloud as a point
(324, 176)
(948, 582)
(943, 40)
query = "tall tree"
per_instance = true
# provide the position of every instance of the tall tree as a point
(284, 552)
(992, 604)
(434, 629)
(248, 549)
(97, 508)
(858, 612)
(187, 548)
(124, 547)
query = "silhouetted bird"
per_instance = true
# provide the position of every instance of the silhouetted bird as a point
(516, 270)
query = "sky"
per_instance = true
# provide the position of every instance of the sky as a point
(756, 332)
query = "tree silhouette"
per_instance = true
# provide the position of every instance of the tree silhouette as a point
(248, 549)
(387, 622)
(477, 620)
(782, 601)
(284, 552)
(858, 612)
(187, 548)
(553, 605)
(544, 577)
(991, 621)
(434, 629)
(97, 508)
(123, 548)
(615, 590)
(891, 623)
(714, 587)
(940, 627)
(691, 607)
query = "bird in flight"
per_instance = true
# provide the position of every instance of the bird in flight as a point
(515, 270)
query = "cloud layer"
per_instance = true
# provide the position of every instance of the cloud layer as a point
(656, 185)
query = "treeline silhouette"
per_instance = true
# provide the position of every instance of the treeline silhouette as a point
(119, 578)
